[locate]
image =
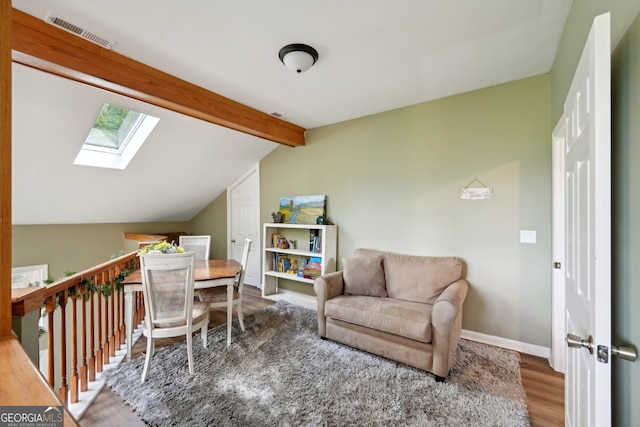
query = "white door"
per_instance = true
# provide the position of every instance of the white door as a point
(558, 354)
(243, 222)
(588, 234)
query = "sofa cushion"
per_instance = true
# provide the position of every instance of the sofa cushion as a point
(404, 318)
(416, 278)
(364, 276)
(420, 278)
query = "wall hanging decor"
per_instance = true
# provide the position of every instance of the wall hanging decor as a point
(302, 209)
(476, 193)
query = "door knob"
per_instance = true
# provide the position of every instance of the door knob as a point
(575, 341)
(626, 352)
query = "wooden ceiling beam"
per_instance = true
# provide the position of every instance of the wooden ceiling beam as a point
(42, 46)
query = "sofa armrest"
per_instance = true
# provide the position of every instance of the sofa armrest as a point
(447, 324)
(326, 287)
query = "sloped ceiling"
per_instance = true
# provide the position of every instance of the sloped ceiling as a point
(374, 56)
(184, 164)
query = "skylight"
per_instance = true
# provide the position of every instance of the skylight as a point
(116, 136)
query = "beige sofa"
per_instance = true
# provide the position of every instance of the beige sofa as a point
(403, 307)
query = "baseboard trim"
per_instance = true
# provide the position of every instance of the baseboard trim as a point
(303, 300)
(522, 347)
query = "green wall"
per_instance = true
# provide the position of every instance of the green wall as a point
(625, 76)
(392, 182)
(77, 247)
(626, 227)
(212, 220)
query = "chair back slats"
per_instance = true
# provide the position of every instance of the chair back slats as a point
(168, 299)
(168, 282)
(201, 245)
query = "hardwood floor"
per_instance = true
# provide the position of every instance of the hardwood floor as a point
(544, 387)
(545, 391)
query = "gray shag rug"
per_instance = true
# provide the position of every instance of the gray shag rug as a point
(280, 373)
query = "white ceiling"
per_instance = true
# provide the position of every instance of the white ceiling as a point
(375, 55)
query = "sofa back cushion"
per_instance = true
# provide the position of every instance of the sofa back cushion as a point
(364, 276)
(416, 278)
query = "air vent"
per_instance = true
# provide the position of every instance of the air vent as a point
(279, 116)
(59, 22)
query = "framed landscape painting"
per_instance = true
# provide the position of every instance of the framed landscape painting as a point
(302, 209)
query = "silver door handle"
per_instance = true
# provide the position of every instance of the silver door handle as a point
(574, 341)
(626, 352)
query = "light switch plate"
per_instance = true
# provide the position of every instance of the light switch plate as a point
(527, 236)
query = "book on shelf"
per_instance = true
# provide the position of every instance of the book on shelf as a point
(312, 267)
(282, 263)
(277, 261)
(317, 245)
(279, 242)
(315, 241)
(314, 236)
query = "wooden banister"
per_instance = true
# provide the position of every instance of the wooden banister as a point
(24, 301)
(144, 237)
(63, 389)
(22, 384)
(101, 333)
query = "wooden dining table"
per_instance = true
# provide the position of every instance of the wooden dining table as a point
(207, 274)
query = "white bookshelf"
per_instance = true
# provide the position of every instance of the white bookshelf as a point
(302, 234)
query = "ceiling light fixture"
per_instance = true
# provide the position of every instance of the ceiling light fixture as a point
(298, 57)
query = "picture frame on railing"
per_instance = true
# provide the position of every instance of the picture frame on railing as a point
(29, 276)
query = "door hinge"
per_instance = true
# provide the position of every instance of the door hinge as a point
(557, 265)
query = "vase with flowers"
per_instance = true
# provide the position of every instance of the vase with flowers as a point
(163, 247)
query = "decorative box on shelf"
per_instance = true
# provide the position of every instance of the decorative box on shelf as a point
(296, 252)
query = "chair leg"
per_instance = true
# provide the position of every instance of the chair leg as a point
(203, 332)
(147, 359)
(229, 320)
(439, 379)
(241, 317)
(190, 352)
(229, 312)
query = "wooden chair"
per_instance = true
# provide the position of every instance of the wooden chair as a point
(201, 245)
(170, 309)
(217, 296)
